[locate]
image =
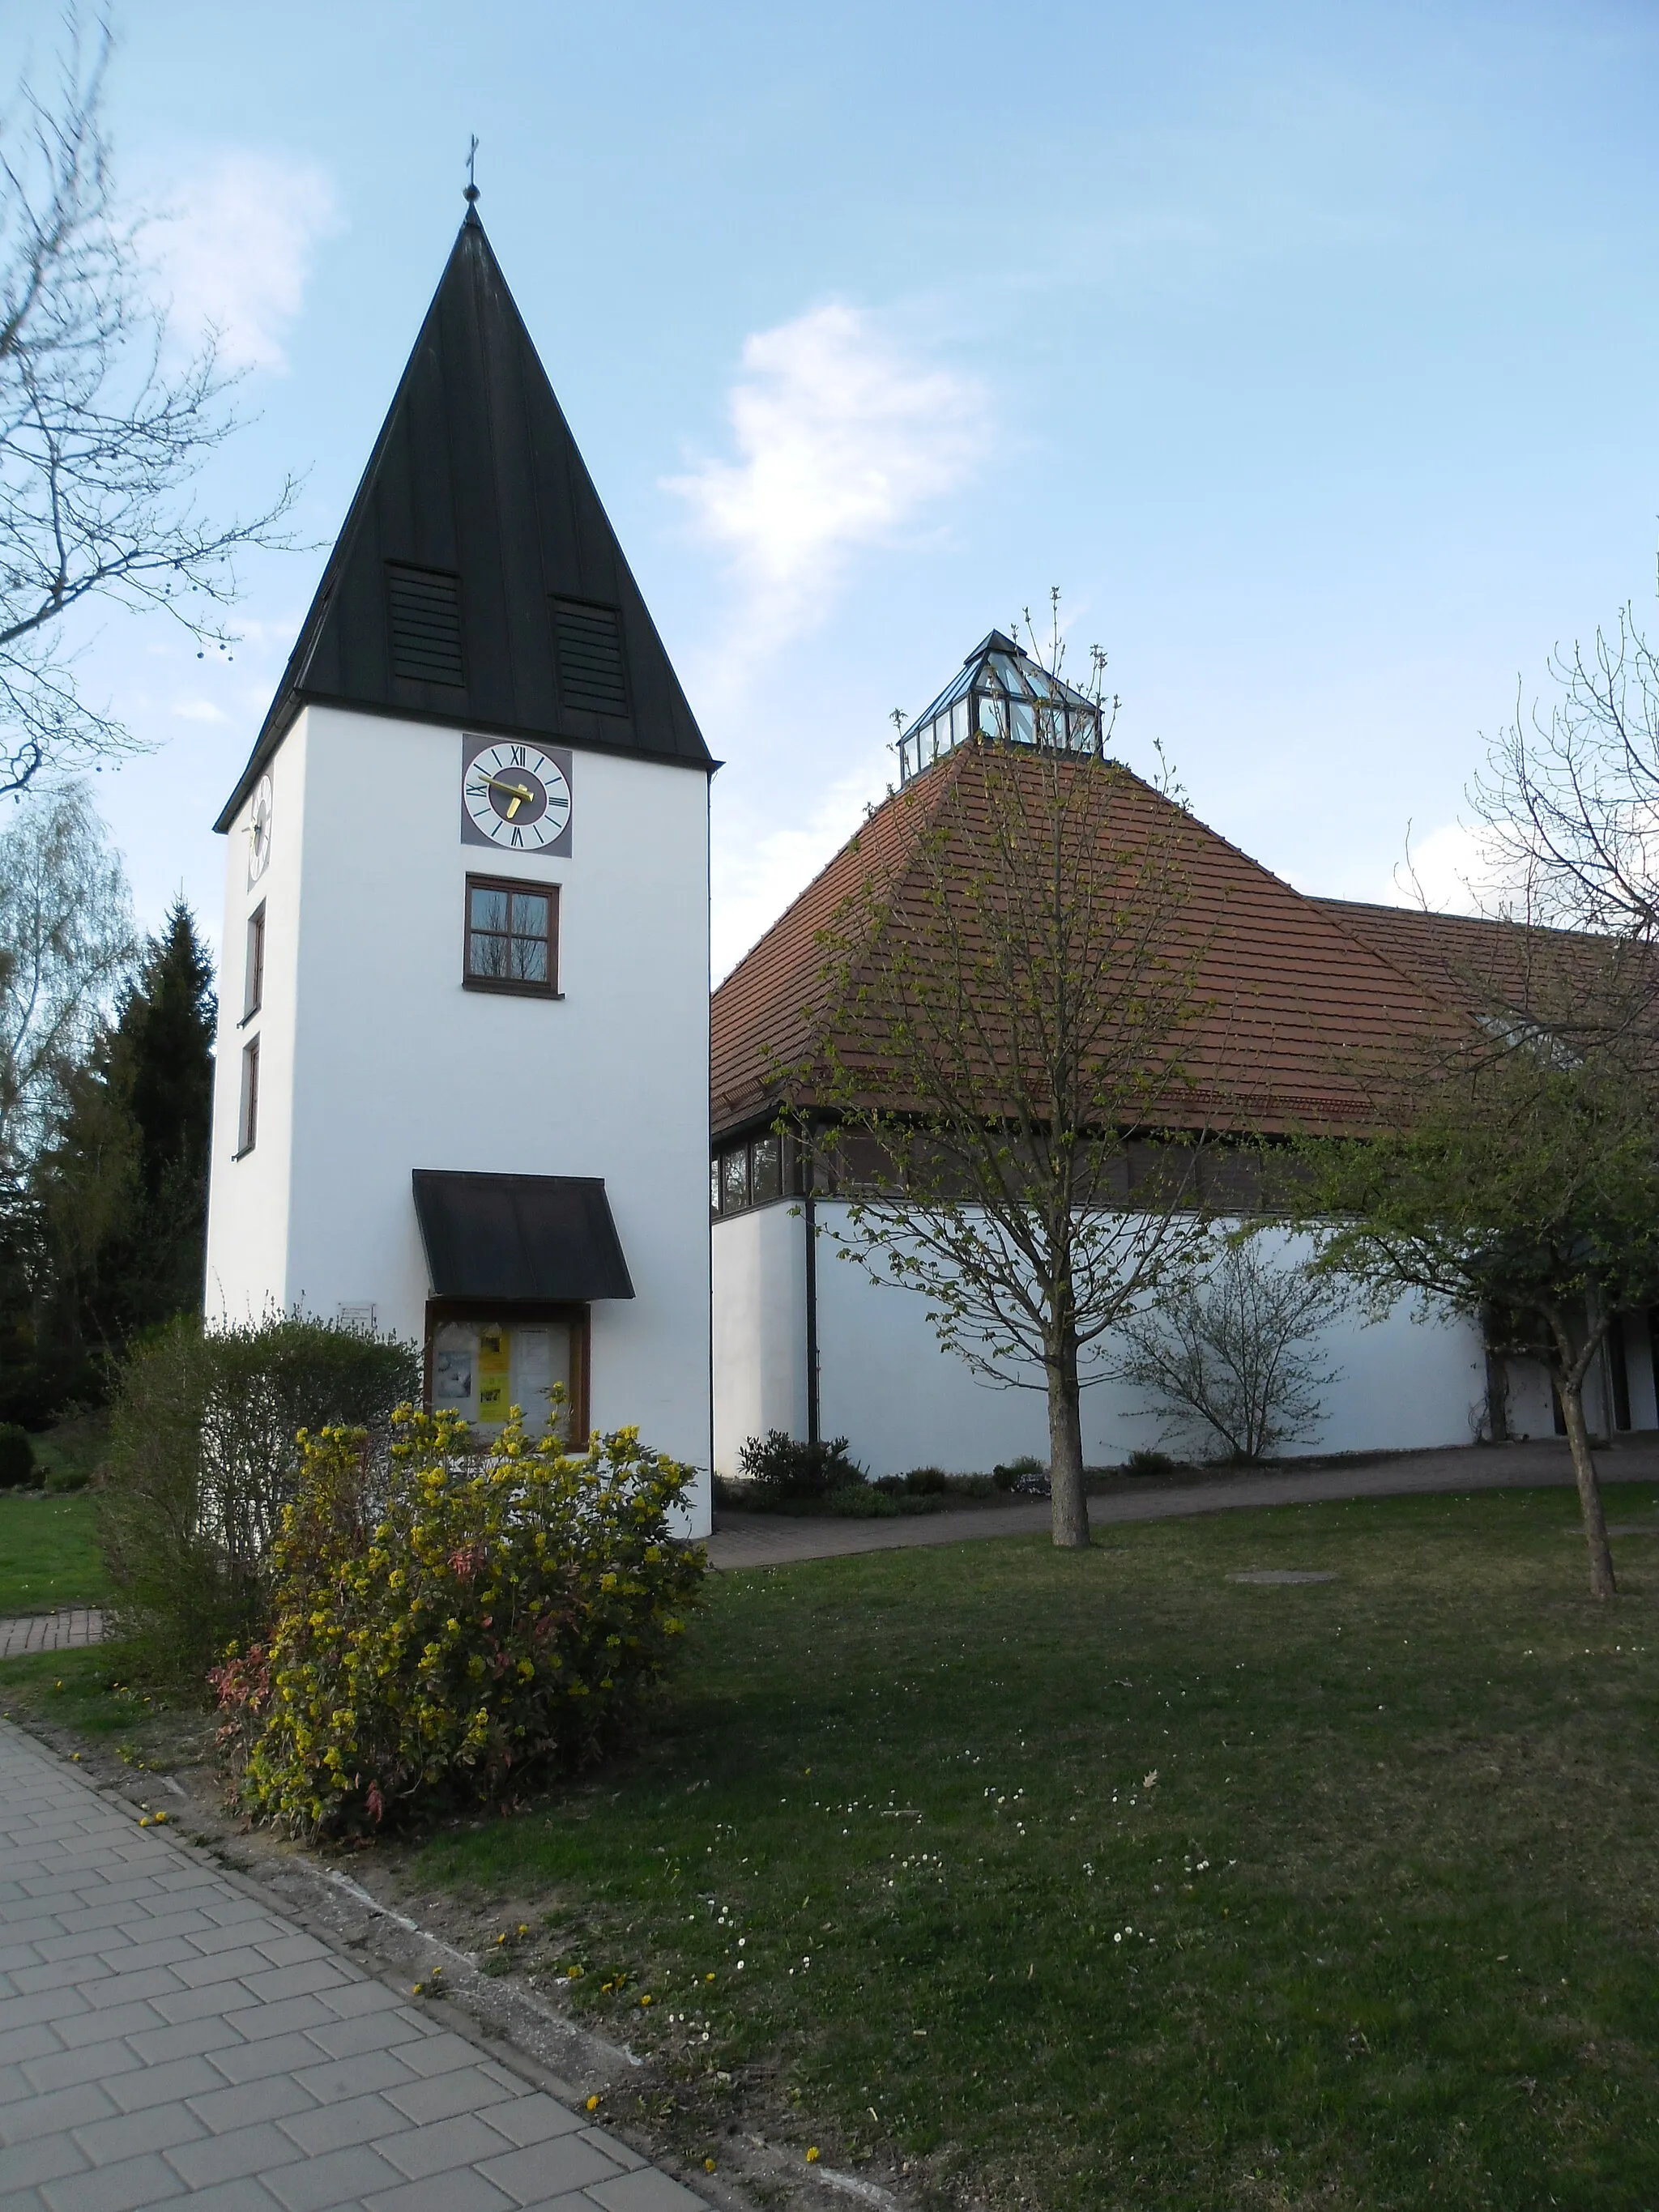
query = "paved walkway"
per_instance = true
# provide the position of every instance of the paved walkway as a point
(774, 1540)
(164, 2034)
(69, 1629)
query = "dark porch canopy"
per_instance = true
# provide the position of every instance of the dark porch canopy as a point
(547, 1239)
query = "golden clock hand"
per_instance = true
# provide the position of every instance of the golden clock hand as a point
(518, 790)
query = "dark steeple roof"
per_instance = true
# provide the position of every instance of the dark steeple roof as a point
(476, 581)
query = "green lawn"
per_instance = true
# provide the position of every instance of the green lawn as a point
(48, 1555)
(81, 1690)
(1078, 1881)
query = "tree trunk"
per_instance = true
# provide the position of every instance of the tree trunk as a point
(1572, 1387)
(1070, 1504)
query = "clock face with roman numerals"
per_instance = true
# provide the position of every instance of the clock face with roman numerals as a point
(515, 796)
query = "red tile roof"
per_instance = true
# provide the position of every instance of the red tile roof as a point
(1300, 995)
(1482, 964)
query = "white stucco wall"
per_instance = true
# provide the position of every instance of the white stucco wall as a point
(1530, 1407)
(760, 1329)
(375, 1061)
(902, 1401)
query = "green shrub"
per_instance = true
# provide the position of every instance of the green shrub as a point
(861, 1501)
(451, 1624)
(927, 1481)
(784, 1466)
(202, 1460)
(1150, 1462)
(16, 1457)
(971, 1485)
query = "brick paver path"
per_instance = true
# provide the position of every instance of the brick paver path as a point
(164, 2034)
(70, 1629)
(774, 1540)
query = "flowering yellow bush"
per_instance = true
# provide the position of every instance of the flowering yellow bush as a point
(444, 1627)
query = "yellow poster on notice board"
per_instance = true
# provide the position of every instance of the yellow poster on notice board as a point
(495, 1367)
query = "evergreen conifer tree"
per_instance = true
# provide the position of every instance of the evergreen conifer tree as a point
(122, 1189)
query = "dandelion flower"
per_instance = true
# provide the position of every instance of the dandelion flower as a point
(813, 2154)
(593, 2103)
(708, 2166)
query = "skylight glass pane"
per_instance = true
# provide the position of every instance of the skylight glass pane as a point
(1021, 728)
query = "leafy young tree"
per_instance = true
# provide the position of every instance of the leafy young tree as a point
(1523, 1185)
(100, 440)
(1230, 1351)
(1011, 1006)
(66, 942)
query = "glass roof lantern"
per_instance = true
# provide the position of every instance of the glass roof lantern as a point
(1001, 692)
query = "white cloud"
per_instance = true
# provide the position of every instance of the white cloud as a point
(757, 874)
(1451, 869)
(841, 438)
(233, 247)
(199, 710)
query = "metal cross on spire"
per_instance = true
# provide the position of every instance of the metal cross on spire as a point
(471, 192)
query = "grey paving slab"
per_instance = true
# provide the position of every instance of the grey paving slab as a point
(70, 1629)
(166, 2035)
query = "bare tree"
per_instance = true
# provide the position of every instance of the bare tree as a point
(1231, 1352)
(1569, 801)
(66, 942)
(100, 440)
(1011, 1003)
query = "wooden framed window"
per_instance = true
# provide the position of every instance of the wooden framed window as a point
(253, 971)
(754, 1173)
(765, 1170)
(734, 1179)
(512, 937)
(247, 1127)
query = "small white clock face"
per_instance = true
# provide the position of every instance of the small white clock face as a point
(258, 831)
(517, 796)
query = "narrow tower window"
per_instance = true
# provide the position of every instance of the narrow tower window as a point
(253, 974)
(424, 609)
(248, 1125)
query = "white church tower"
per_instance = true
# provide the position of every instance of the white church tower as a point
(463, 1051)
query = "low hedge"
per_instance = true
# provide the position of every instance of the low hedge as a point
(201, 1461)
(453, 1625)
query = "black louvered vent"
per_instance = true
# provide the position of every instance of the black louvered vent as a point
(425, 610)
(588, 643)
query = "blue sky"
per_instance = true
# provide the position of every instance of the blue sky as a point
(1313, 352)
